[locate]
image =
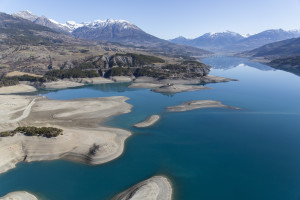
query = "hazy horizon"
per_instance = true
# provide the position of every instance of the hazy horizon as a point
(170, 19)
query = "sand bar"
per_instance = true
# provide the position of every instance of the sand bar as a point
(121, 78)
(79, 120)
(61, 84)
(198, 104)
(148, 122)
(94, 80)
(170, 88)
(155, 188)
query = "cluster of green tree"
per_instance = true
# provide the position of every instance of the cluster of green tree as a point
(72, 73)
(173, 67)
(152, 72)
(118, 71)
(141, 59)
(87, 65)
(8, 82)
(34, 131)
(14, 80)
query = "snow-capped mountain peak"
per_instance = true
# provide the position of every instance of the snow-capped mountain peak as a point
(110, 22)
(25, 14)
(221, 34)
(72, 25)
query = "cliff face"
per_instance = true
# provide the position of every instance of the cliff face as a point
(143, 65)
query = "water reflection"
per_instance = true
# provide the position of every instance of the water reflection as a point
(226, 63)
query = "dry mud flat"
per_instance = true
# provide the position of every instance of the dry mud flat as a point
(20, 88)
(83, 139)
(198, 104)
(155, 188)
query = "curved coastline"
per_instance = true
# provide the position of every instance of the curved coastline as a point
(19, 195)
(154, 188)
(79, 119)
(148, 122)
(20, 88)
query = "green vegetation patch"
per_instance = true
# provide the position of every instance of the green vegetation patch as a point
(34, 131)
(73, 73)
(14, 80)
(152, 72)
(118, 71)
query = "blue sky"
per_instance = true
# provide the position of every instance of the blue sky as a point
(170, 18)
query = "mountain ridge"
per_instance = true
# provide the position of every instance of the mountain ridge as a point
(234, 42)
(119, 31)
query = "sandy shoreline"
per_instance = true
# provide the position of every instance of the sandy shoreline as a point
(148, 122)
(79, 120)
(176, 85)
(20, 88)
(155, 188)
(198, 104)
(19, 195)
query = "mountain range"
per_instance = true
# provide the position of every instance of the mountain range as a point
(119, 31)
(283, 55)
(48, 38)
(233, 42)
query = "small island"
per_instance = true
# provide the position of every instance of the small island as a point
(155, 188)
(172, 88)
(148, 122)
(198, 104)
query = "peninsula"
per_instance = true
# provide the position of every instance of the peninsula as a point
(148, 122)
(82, 140)
(155, 188)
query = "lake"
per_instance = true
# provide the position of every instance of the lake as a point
(208, 154)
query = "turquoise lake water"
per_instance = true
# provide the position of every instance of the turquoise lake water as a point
(209, 154)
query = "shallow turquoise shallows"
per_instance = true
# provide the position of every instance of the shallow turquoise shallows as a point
(209, 154)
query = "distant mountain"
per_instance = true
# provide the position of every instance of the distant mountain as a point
(26, 15)
(264, 38)
(126, 33)
(216, 41)
(180, 40)
(288, 47)
(283, 55)
(234, 42)
(114, 31)
(44, 21)
(19, 31)
(118, 31)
